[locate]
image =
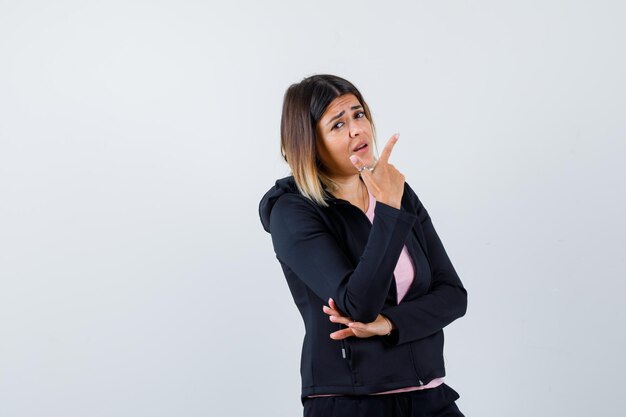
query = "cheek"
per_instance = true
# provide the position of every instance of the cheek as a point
(333, 147)
(367, 127)
(340, 152)
(325, 153)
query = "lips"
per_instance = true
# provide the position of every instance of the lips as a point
(359, 147)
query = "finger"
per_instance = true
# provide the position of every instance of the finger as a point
(384, 156)
(340, 319)
(355, 325)
(362, 329)
(341, 334)
(330, 311)
(334, 309)
(357, 162)
(365, 173)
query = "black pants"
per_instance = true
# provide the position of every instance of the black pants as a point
(434, 402)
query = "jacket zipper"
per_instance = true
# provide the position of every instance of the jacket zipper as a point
(344, 353)
(417, 373)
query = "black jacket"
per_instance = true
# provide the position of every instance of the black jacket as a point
(335, 252)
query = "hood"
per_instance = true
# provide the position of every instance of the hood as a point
(282, 186)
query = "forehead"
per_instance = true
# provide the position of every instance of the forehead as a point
(343, 102)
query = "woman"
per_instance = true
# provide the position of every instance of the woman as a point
(364, 264)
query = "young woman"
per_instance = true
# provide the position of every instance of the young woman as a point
(364, 264)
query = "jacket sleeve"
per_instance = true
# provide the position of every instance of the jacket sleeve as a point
(446, 299)
(303, 243)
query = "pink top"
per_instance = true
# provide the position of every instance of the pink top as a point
(404, 271)
(404, 274)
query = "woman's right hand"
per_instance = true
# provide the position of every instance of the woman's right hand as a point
(385, 183)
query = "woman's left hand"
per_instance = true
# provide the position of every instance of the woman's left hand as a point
(379, 327)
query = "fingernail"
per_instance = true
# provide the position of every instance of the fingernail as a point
(353, 159)
(397, 135)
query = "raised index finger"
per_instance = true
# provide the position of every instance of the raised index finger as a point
(384, 156)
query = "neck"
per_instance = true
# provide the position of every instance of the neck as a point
(352, 189)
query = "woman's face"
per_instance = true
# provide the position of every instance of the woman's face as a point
(342, 131)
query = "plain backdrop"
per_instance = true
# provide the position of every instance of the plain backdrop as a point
(137, 138)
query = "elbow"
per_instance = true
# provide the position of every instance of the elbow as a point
(362, 312)
(365, 316)
(461, 301)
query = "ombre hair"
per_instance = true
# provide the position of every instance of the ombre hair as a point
(303, 107)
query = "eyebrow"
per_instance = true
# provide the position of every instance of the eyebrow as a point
(343, 112)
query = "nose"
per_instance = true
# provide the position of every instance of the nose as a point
(355, 129)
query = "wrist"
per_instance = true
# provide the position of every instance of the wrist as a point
(389, 323)
(394, 204)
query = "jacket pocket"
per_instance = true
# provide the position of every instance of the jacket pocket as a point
(428, 357)
(375, 362)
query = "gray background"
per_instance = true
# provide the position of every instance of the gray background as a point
(136, 139)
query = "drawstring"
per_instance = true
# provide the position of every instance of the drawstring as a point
(343, 345)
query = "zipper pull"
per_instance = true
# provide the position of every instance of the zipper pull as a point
(343, 352)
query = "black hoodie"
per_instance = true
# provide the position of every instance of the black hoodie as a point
(335, 252)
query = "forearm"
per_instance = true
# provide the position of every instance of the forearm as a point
(427, 314)
(369, 284)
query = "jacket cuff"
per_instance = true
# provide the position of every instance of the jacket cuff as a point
(394, 337)
(383, 209)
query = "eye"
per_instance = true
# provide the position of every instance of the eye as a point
(337, 125)
(359, 115)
